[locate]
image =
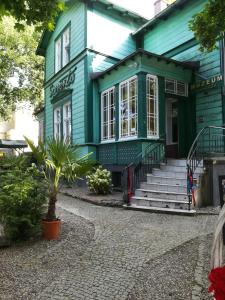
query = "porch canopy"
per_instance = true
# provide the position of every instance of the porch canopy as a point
(12, 144)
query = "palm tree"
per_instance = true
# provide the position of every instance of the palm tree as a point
(58, 159)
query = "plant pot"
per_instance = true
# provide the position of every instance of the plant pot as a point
(51, 229)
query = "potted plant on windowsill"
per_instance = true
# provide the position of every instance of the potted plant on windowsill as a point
(58, 160)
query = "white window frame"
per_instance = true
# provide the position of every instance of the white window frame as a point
(67, 119)
(175, 91)
(41, 130)
(128, 137)
(57, 124)
(156, 106)
(60, 51)
(107, 92)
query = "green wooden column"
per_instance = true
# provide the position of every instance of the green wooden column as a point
(142, 115)
(162, 106)
(117, 112)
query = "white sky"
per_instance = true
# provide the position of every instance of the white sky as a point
(142, 7)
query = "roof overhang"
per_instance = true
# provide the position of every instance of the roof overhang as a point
(185, 65)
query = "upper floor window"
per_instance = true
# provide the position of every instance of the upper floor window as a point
(41, 130)
(108, 115)
(176, 87)
(152, 106)
(62, 50)
(128, 108)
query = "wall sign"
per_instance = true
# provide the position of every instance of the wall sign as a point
(206, 84)
(64, 83)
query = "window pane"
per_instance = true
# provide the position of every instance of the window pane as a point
(67, 121)
(152, 106)
(57, 123)
(58, 55)
(108, 115)
(66, 46)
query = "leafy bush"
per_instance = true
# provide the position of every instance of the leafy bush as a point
(22, 202)
(100, 182)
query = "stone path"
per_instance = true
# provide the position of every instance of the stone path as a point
(112, 253)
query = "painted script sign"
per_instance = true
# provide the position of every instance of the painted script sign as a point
(208, 83)
(64, 83)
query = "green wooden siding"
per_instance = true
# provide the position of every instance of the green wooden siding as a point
(78, 96)
(109, 34)
(173, 31)
(74, 14)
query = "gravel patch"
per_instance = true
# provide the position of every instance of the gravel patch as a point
(27, 268)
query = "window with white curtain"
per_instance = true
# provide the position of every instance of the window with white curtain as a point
(57, 123)
(67, 121)
(152, 106)
(108, 115)
(62, 50)
(128, 108)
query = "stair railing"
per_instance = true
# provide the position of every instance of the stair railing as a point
(209, 142)
(136, 172)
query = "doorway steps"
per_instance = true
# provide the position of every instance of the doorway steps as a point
(165, 190)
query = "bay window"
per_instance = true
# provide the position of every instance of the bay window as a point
(108, 115)
(152, 106)
(128, 108)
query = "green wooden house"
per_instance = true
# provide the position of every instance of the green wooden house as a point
(121, 86)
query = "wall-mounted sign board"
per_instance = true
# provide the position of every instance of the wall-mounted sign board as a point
(212, 82)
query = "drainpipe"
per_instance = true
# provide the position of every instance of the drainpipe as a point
(222, 68)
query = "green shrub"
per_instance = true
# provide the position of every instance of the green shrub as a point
(22, 202)
(100, 182)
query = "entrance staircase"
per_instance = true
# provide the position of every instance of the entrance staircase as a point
(165, 189)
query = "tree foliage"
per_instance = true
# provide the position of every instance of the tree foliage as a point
(209, 24)
(41, 13)
(21, 70)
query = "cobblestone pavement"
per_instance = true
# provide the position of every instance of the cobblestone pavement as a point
(125, 244)
(130, 255)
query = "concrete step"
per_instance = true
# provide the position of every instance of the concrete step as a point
(161, 210)
(156, 202)
(178, 175)
(171, 168)
(161, 195)
(180, 162)
(164, 187)
(166, 180)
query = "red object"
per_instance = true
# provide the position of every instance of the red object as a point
(217, 279)
(51, 229)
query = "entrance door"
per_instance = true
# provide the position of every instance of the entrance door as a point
(172, 134)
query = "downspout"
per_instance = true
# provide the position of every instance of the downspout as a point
(222, 69)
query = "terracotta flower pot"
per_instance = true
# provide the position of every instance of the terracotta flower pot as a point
(51, 229)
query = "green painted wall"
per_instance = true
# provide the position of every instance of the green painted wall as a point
(78, 99)
(109, 33)
(173, 31)
(172, 38)
(76, 14)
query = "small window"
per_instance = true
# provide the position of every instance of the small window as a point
(128, 108)
(176, 87)
(108, 115)
(57, 123)
(152, 106)
(67, 121)
(62, 50)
